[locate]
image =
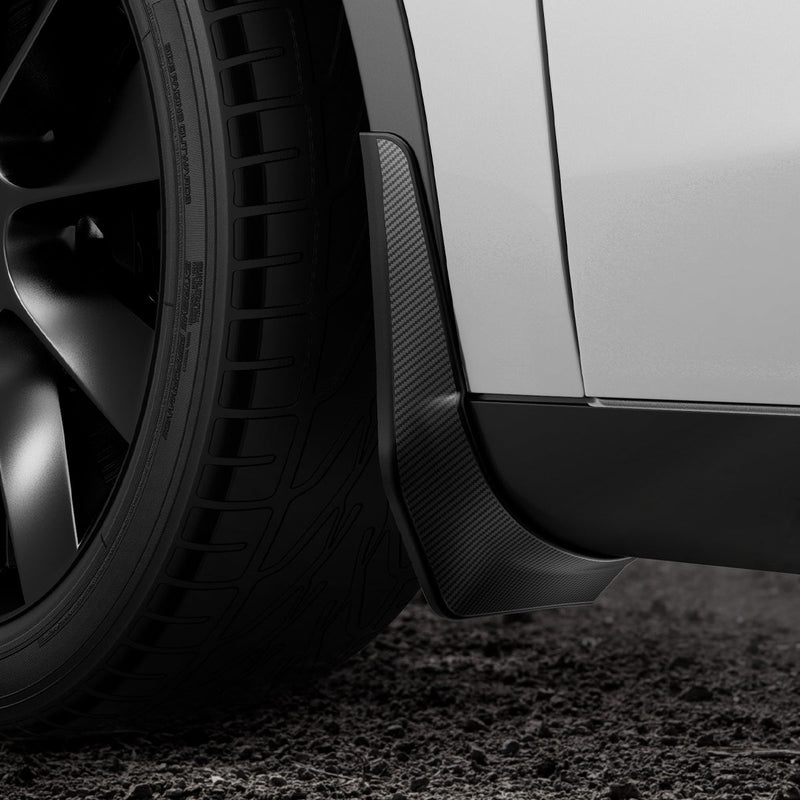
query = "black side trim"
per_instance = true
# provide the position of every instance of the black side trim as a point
(471, 555)
(707, 487)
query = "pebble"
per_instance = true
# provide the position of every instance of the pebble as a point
(510, 747)
(623, 791)
(396, 730)
(492, 650)
(140, 791)
(25, 774)
(245, 753)
(546, 768)
(477, 756)
(379, 767)
(696, 694)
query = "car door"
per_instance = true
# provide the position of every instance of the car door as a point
(678, 133)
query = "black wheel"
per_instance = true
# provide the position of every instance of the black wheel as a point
(187, 426)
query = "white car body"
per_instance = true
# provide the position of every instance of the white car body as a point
(674, 136)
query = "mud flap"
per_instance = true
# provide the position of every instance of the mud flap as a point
(472, 557)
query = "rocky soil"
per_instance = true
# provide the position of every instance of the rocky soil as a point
(682, 682)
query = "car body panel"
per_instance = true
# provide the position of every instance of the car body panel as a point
(486, 101)
(678, 128)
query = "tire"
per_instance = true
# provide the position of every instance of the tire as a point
(245, 539)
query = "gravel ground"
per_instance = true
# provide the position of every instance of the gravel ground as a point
(682, 682)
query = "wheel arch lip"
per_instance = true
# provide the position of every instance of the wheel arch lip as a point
(392, 90)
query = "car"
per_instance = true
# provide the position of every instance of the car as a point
(305, 304)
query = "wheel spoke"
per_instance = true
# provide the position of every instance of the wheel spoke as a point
(98, 340)
(33, 465)
(126, 154)
(80, 275)
(7, 78)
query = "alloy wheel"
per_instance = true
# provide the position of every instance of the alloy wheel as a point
(80, 266)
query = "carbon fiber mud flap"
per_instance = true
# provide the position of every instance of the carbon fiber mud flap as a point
(471, 555)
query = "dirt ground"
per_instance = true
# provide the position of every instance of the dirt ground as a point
(682, 682)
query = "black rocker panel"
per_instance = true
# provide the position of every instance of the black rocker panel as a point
(696, 486)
